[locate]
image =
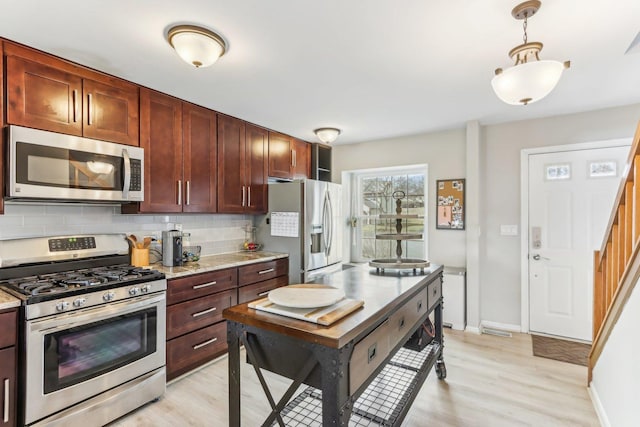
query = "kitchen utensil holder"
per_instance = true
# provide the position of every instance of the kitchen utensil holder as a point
(139, 257)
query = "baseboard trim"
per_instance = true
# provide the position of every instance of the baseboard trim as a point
(496, 325)
(597, 405)
(472, 329)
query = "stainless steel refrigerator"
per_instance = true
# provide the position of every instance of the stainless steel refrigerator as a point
(305, 221)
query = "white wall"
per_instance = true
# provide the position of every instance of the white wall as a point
(215, 233)
(616, 384)
(444, 152)
(500, 146)
(500, 257)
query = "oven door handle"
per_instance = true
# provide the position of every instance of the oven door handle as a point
(95, 314)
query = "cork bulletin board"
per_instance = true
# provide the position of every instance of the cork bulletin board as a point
(450, 204)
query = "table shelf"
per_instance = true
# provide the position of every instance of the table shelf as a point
(383, 403)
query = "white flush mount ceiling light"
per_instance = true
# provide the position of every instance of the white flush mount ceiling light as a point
(529, 79)
(196, 45)
(327, 135)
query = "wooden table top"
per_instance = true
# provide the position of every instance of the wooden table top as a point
(381, 293)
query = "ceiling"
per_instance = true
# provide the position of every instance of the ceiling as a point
(374, 68)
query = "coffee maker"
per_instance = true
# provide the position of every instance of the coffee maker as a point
(172, 248)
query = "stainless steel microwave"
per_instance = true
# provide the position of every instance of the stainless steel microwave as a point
(52, 166)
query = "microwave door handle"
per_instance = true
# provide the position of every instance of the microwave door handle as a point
(127, 174)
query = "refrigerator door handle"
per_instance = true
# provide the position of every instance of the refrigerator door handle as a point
(327, 223)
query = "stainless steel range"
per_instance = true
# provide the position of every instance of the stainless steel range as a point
(92, 330)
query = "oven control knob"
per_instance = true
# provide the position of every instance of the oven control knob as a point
(145, 289)
(62, 306)
(109, 296)
(134, 291)
(79, 302)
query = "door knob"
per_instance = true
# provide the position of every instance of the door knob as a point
(537, 257)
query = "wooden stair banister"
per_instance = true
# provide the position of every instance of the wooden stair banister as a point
(617, 264)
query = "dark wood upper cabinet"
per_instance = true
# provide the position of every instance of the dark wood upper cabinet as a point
(279, 155)
(257, 142)
(232, 191)
(199, 148)
(43, 97)
(48, 93)
(2, 134)
(161, 138)
(110, 112)
(180, 155)
(242, 166)
(301, 159)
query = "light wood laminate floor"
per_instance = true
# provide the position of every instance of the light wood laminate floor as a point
(491, 381)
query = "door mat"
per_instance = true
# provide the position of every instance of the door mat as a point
(563, 350)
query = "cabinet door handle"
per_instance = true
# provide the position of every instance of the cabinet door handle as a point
(268, 270)
(249, 195)
(243, 196)
(75, 105)
(179, 192)
(89, 110)
(294, 155)
(5, 410)
(204, 285)
(203, 312)
(202, 344)
(188, 193)
(261, 294)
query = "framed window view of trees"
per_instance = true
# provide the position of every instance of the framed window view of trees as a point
(450, 204)
(375, 198)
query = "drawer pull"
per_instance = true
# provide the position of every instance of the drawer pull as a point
(201, 313)
(419, 305)
(435, 291)
(401, 323)
(203, 344)
(268, 270)
(261, 294)
(204, 285)
(371, 352)
(5, 416)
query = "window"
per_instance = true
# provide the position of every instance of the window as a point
(374, 196)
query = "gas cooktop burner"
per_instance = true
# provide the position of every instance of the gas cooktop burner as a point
(77, 281)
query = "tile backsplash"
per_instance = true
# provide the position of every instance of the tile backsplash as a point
(216, 233)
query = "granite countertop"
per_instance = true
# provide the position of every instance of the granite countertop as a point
(217, 262)
(8, 301)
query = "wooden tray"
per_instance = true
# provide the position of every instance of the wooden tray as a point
(322, 316)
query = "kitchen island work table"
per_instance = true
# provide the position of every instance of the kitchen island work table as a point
(357, 370)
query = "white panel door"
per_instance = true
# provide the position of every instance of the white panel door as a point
(571, 195)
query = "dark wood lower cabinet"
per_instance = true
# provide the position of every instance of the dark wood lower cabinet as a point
(260, 289)
(196, 331)
(195, 349)
(191, 315)
(8, 368)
